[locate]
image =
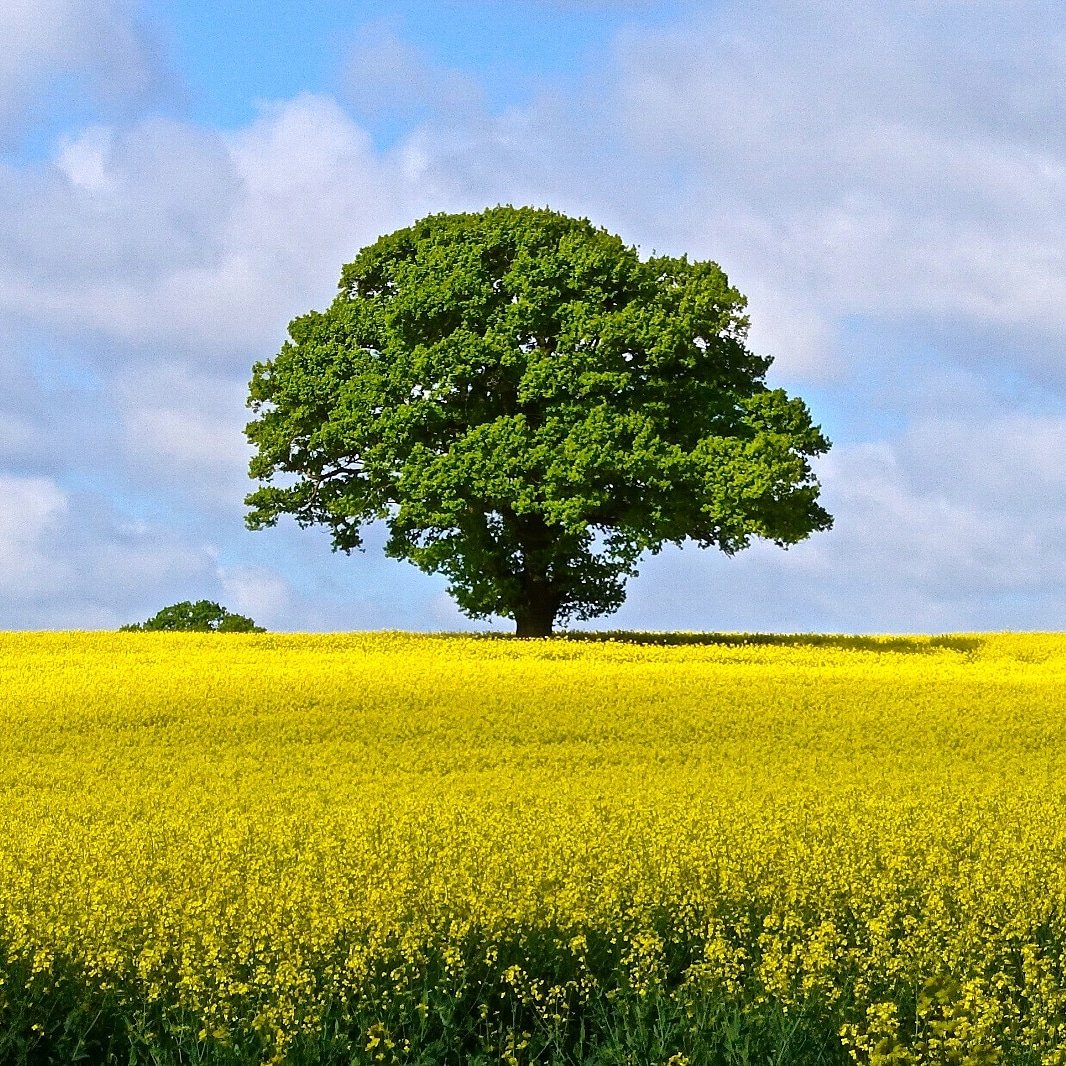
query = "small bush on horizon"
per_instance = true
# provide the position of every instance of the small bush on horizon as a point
(204, 616)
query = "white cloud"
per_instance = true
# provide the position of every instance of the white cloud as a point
(387, 77)
(313, 192)
(94, 241)
(939, 536)
(956, 526)
(887, 159)
(167, 237)
(98, 45)
(259, 593)
(84, 159)
(1011, 464)
(31, 511)
(182, 433)
(837, 161)
(440, 614)
(70, 560)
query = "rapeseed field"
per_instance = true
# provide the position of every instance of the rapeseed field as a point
(427, 849)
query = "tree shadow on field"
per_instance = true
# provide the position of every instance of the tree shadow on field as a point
(904, 645)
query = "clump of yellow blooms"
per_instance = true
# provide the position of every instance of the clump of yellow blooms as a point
(257, 843)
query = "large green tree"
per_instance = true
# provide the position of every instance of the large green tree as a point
(530, 406)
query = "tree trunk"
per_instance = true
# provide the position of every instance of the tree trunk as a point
(535, 614)
(535, 617)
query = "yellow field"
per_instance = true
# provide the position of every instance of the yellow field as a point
(241, 841)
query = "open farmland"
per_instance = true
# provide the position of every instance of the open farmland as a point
(400, 848)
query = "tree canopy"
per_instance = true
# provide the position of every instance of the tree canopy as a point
(530, 406)
(204, 616)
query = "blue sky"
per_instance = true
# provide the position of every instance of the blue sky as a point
(886, 182)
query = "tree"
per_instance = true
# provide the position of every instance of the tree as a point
(200, 617)
(530, 407)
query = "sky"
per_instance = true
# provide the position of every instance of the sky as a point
(885, 181)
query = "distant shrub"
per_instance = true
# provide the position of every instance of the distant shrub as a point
(200, 617)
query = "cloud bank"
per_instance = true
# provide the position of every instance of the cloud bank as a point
(886, 182)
